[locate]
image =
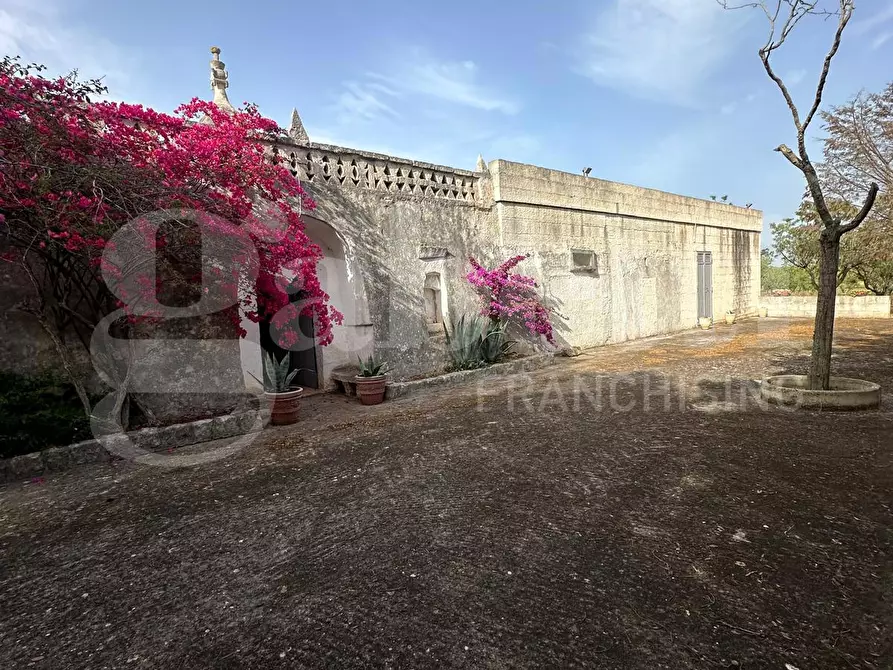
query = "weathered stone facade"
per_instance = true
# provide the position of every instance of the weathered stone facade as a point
(403, 221)
(616, 262)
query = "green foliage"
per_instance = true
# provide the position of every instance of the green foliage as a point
(796, 241)
(785, 278)
(372, 367)
(277, 378)
(39, 412)
(464, 343)
(876, 276)
(772, 277)
(494, 345)
(866, 254)
(476, 343)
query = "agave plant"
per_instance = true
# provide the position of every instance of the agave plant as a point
(475, 343)
(277, 377)
(494, 345)
(464, 343)
(372, 367)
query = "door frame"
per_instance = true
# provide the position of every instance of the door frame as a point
(705, 284)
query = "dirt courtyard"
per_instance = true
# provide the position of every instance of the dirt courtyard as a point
(635, 506)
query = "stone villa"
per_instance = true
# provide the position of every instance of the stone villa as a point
(616, 262)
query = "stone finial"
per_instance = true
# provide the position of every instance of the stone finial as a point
(219, 81)
(481, 165)
(296, 129)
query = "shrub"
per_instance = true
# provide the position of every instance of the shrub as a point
(508, 296)
(476, 343)
(37, 412)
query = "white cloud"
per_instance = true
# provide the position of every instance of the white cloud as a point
(880, 40)
(363, 102)
(868, 24)
(794, 77)
(422, 79)
(42, 32)
(420, 85)
(453, 82)
(661, 49)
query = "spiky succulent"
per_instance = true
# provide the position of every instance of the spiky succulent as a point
(372, 367)
(278, 378)
(475, 343)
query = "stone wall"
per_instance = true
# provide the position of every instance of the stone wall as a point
(847, 307)
(394, 241)
(394, 228)
(645, 242)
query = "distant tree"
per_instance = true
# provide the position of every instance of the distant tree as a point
(783, 16)
(866, 257)
(858, 150)
(772, 277)
(877, 276)
(797, 242)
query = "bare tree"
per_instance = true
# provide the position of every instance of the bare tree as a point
(783, 16)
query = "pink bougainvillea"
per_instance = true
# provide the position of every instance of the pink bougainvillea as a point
(75, 172)
(508, 296)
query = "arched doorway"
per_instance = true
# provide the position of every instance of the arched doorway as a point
(341, 279)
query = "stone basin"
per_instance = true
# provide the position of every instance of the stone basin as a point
(845, 393)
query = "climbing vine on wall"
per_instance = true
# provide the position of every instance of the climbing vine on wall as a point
(508, 296)
(76, 171)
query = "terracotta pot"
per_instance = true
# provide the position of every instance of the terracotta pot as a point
(705, 322)
(284, 406)
(371, 389)
(730, 318)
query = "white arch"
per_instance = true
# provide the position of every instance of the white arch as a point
(341, 278)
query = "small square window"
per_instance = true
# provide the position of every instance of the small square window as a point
(584, 260)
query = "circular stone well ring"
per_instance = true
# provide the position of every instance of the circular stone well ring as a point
(845, 393)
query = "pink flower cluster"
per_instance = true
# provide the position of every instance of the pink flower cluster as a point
(508, 296)
(75, 171)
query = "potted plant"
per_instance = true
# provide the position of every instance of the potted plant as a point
(284, 400)
(704, 322)
(371, 381)
(730, 316)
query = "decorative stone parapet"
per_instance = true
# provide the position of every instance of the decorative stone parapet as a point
(339, 166)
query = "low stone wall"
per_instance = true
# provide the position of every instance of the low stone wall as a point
(848, 307)
(57, 459)
(527, 364)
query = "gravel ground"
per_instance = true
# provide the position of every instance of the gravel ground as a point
(635, 506)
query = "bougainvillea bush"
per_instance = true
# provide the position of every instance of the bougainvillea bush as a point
(510, 297)
(76, 171)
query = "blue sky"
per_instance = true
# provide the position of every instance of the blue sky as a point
(668, 94)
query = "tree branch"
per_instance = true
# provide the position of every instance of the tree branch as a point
(795, 114)
(785, 151)
(866, 208)
(846, 11)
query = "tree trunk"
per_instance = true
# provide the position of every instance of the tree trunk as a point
(820, 363)
(67, 364)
